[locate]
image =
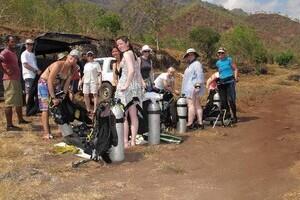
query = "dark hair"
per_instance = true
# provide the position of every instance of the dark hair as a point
(126, 39)
(7, 38)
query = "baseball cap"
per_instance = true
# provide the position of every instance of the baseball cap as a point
(75, 53)
(221, 50)
(29, 41)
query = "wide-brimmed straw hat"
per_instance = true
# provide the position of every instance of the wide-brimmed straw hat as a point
(61, 56)
(191, 50)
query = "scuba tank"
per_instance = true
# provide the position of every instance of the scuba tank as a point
(217, 100)
(154, 123)
(182, 114)
(117, 153)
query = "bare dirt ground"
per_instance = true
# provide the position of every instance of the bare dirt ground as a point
(259, 159)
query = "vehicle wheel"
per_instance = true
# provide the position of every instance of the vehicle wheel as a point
(106, 91)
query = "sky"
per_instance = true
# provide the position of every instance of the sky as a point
(285, 7)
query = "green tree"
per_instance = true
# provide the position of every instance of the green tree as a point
(244, 44)
(109, 22)
(205, 39)
(146, 17)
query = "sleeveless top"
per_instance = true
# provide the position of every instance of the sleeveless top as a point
(134, 91)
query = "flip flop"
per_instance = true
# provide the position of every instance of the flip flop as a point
(47, 137)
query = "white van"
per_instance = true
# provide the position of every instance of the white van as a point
(106, 89)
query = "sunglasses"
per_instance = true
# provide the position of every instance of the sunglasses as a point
(221, 53)
(30, 44)
(146, 51)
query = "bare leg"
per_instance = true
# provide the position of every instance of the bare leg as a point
(87, 102)
(134, 123)
(95, 102)
(8, 116)
(126, 130)
(45, 123)
(71, 96)
(198, 109)
(26, 98)
(19, 113)
(191, 112)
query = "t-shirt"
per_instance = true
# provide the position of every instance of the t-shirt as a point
(159, 81)
(91, 71)
(10, 61)
(225, 67)
(30, 59)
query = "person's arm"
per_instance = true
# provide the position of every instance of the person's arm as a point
(4, 67)
(129, 59)
(209, 80)
(139, 72)
(115, 77)
(27, 66)
(166, 86)
(51, 78)
(99, 74)
(236, 71)
(200, 74)
(24, 60)
(67, 84)
(152, 73)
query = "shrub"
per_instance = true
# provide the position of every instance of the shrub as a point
(261, 70)
(284, 58)
(243, 43)
(246, 69)
(205, 39)
(294, 77)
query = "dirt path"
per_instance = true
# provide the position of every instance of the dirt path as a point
(252, 161)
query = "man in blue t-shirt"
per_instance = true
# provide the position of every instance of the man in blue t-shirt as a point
(228, 77)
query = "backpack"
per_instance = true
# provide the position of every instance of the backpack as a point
(104, 134)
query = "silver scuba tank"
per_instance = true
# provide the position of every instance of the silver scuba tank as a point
(117, 154)
(182, 114)
(217, 100)
(154, 123)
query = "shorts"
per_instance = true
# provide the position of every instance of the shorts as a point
(43, 95)
(13, 93)
(28, 83)
(90, 88)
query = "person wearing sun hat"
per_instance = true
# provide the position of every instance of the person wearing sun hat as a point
(55, 78)
(228, 73)
(193, 87)
(146, 66)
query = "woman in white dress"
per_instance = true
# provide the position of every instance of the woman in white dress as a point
(129, 89)
(193, 88)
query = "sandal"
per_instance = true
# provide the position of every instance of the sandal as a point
(47, 137)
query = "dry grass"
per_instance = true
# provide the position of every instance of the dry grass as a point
(29, 170)
(173, 168)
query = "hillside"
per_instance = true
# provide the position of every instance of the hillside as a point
(277, 31)
(127, 17)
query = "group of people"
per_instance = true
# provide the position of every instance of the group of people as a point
(132, 76)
